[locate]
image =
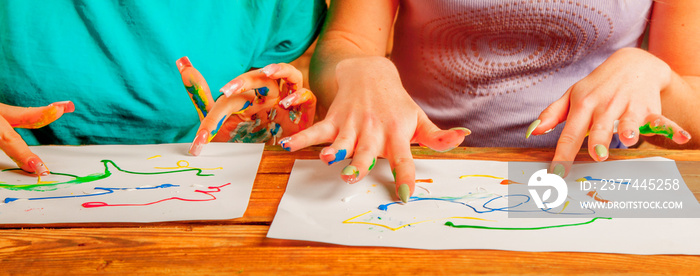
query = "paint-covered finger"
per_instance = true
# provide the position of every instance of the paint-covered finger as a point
(284, 71)
(322, 132)
(363, 159)
(660, 125)
(343, 146)
(14, 146)
(402, 167)
(551, 116)
(429, 135)
(302, 96)
(35, 117)
(600, 135)
(249, 81)
(211, 124)
(196, 86)
(572, 136)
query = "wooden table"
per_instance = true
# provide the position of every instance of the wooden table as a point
(240, 246)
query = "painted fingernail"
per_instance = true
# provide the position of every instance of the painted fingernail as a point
(270, 69)
(559, 170)
(685, 134)
(601, 151)
(262, 91)
(38, 166)
(465, 130)
(629, 134)
(283, 142)
(182, 63)
(350, 174)
(532, 127)
(289, 100)
(231, 87)
(657, 122)
(199, 141)
(372, 166)
(404, 192)
(68, 106)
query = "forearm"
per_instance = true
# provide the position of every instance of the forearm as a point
(359, 28)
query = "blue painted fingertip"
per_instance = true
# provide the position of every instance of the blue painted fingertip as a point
(339, 156)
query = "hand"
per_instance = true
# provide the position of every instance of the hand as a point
(627, 88)
(33, 117)
(258, 106)
(373, 116)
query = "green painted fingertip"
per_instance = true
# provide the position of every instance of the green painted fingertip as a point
(601, 151)
(350, 170)
(404, 192)
(559, 170)
(532, 127)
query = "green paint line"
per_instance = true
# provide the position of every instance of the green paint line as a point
(450, 224)
(372, 166)
(85, 179)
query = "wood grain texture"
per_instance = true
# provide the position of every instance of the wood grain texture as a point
(239, 246)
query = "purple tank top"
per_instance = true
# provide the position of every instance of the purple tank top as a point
(493, 66)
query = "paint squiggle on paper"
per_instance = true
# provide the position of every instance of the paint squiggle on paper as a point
(349, 221)
(451, 224)
(88, 178)
(106, 191)
(215, 189)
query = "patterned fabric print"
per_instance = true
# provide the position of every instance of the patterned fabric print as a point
(493, 66)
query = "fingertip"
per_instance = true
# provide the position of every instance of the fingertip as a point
(532, 128)
(685, 136)
(560, 168)
(35, 165)
(404, 192)
(199, 141)
(232, 87)
(270, 69)
(67, 106)
(350, 174)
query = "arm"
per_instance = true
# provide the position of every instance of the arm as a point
(673, 37)
(368, 113)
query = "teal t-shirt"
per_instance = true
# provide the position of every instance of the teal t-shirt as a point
(116, 60)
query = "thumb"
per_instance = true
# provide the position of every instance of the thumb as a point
(429, 135)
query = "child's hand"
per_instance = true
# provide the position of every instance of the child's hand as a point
(258, 106)
(22, 117)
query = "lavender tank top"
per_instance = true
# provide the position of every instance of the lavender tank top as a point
(493, 66)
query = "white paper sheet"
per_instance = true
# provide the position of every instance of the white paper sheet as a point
(319, 206)
(130, 183)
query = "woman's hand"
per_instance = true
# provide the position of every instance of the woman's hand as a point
(22, 117)
(373, 116)
(258, 106)
(626, 88)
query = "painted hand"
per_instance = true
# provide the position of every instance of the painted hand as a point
(373, 116)
(258, 106)
(626, 88)
(33, 117)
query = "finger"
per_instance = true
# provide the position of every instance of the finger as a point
(600, 135)
(217, 116)
(35, 117)
(628, 128)
(251, 80)
(363, 160)
(551, 116)
(343, 146)
(196, 86)
(287, 72)
(572, 136)
(429, 135)
(322, 132)
(402, 167)
(12, 144)
(302, 107)
(657, 124)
